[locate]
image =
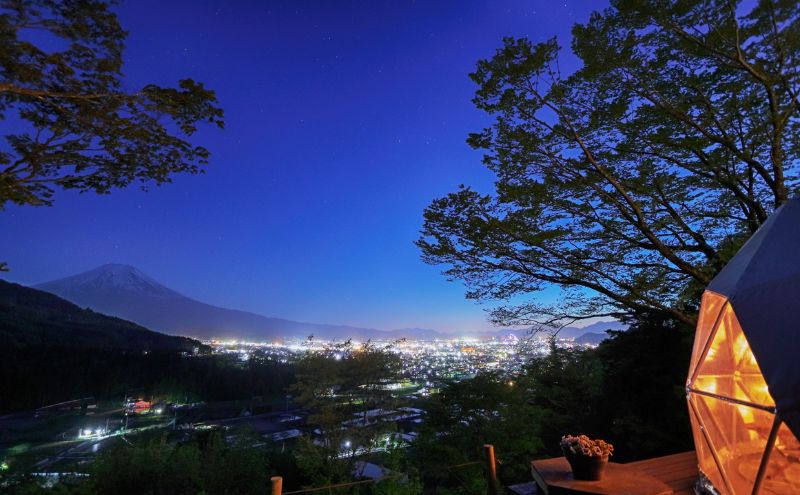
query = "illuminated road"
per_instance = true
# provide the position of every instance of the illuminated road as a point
(79, 449)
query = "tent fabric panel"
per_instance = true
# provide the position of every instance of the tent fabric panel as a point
(738, 434)
(783, 469)
(719, 358)
(710, 307)
(762, 283)
(753, 357)
(705, 459)
(729, 367)
(770, 318)
(766, 255)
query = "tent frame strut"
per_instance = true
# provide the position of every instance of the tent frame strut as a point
(740, 402)
(711, 335)
(709, 443)
(762, 469)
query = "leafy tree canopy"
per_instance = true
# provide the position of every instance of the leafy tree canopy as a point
(76, 125)
(629, 183)
(490, 408)
(161, 467)
(345, 387)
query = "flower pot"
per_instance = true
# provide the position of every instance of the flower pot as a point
(587, 468)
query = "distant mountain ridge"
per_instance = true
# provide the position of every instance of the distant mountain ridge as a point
(591, 338)
(125, 291)
(35, 318)
(599, 327)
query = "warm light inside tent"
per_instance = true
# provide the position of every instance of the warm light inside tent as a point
(742, 447)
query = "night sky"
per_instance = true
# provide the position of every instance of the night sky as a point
(343, 121)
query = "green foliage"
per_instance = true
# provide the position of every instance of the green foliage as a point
(32, 486)
(319, 468)
(643, 400)
(202, 466)
(488, 409)
(397, 487)
(635, 177)
(343, 386)
(463, 481)
(567, 387)
(78, 127)
(319, 464)
(158, 468)
(404, 480)
(629, 391)
(234, 469)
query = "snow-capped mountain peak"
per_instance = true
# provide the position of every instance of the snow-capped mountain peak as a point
(111, 277)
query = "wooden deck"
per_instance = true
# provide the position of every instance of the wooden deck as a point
(669, 475)
(678, 471)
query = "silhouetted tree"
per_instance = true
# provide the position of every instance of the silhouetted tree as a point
(566, 386)
(489, 408)
(201, 465)
(642, 405)
(635, 176)
(77, 127)
(345, 388)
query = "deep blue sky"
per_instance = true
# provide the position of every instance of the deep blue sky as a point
(343, 121)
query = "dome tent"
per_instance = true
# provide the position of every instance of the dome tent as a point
(743, 388)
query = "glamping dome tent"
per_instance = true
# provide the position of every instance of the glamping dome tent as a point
(743, 387)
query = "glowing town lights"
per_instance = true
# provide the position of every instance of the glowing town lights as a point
(426, 364)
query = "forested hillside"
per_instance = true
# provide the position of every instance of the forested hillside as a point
(30, 318)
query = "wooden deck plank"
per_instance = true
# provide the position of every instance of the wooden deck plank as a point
(679, 457)
(554, 477)
(674, 459)
(678, 471)
(674, 472)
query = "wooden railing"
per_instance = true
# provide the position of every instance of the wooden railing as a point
(489, 462)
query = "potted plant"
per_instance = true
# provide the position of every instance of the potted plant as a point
(586, 457)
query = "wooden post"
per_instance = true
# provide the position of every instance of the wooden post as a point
(491, 469)
(277, 485)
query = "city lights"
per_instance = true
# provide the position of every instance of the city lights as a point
(427, 364)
